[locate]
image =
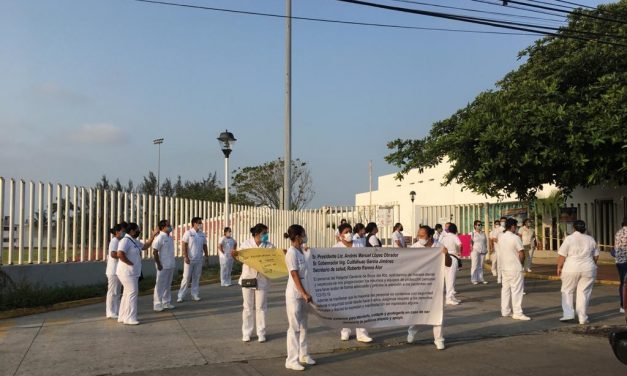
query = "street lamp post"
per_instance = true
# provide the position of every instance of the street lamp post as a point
(158, 142)
(412, 195)
(226, 140)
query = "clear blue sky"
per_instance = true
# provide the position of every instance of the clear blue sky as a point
(87, 84)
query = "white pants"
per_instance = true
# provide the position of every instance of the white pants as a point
(113, 295)
(476, 266)
(582, 282)
(128, 305)
(191, 276)
(529, 251)
(255, 308)
(297, 312)
(226, 266)
(449, 278)
(437, 332)
(359, 332)
(163, 286)
(512, 292)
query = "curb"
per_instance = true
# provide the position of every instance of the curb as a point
(19, 312)
(602, 282)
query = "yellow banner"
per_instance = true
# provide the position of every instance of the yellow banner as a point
(268, 261)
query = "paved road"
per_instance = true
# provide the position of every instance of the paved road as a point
(205, 338)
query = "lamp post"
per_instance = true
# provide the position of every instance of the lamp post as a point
(412, 196)
(287, 163)
(158, 142)
(226, 140)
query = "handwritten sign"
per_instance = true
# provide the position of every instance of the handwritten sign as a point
(268, 261)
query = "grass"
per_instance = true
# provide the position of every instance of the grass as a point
(23, 294)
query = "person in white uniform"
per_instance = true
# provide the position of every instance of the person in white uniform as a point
(528, 236)
(194, 253)
(371, 238)
(165, 263)
(425, 240)
(255, 305)
(114, 286)
(359, 235)
(438, 233)
(577, 267)
(477, 255)
(337, 230)
(296, 300)
(398, 240)
(226, 245)
(511, 258)
(499, 227)
(128, 271)
(347, 242)
(450, 241)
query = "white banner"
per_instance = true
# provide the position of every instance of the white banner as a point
(376, 287)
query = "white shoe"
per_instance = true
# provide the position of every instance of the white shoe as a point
(565, 318)
(621, 310)
(294, 366)
(179, 300)
(475, 283)
(344, 336)
(584, 322)
(452, 302)
(195, 298)
(439, 345)
(410, 338)
(246, 338)
(158, 308)
(521, 317)
(528, 270)
(131, 322)
(168, 306)
(364, 339)
(114, 317)
(307, 360)
(506, 315)
(484, 282)
(261, 339)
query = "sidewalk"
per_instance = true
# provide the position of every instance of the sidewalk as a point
(205, 338)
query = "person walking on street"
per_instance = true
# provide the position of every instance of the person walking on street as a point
(511, 258)
(477, 255)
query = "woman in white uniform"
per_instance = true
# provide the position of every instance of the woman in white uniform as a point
(346, 241)
(255, 287)
(371, 239)
(129, 269)
(359, 235)
(577, 267)
(528, 236)
(477, 255)
(450, 241)
(113, 282)
(226, 245)
(296, 300)
(425, 240)
(398, 240)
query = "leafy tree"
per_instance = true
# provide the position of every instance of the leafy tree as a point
(149, 185)
(103, 184)
(262, 184)
(167, 189)
(205, 189)
(129, 187)
(117, 186)
(560, 118)
(178, 186)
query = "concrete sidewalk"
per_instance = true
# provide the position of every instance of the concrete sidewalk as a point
(205, 337)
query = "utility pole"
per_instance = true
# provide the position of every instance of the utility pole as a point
(158, 142)
(287, 167)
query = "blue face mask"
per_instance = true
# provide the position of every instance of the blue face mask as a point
(265, 237)
(169, 229)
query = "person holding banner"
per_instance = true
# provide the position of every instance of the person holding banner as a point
(511, 260)
(450, 241)
(477, 255)
(226, 245)
(346, 241)
(296, 300)
(255, 287)
(425, 240)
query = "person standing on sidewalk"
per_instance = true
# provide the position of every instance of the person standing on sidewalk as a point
(346, 236)
(398, 240)
(450, 241)
(113, 282)
(226, 245)
(493, 237)
(194, 245)
(296, 299)
(511, 258)
(371, 239)
(620, 253)
(528, 236)
(163, 252)
(477, 255)
(577, 267)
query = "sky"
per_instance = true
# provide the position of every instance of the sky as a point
(88, 84)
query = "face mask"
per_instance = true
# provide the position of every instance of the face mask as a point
(348, 237)
(400, 229)
(305, 240)
(502, 224)
(122, 234)
(168, 229)
(138, 234)
(265, 237)
(423, 242)
(228, 235)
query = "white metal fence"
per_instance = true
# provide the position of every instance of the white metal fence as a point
(52, 223)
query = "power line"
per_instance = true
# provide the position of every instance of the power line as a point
(495, 23)
(565, 11)
(569, 8)
(575, 4)
(324, 20)
(500, 4)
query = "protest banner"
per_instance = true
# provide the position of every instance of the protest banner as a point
(268, 261)
(376, 287)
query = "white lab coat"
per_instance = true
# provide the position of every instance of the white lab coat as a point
(226, 260)
(578, 273)
(114, 286)
(255, 305)
(346, 332)
(296, 308)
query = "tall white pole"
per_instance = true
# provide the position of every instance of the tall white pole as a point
(159, 170)
(287, 166)
(226, 191)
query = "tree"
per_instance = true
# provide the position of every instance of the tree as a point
(205, 189)
(560, 118)
(149, 185)
(262, 184)
(117, 186)
(130, 186)
(167, 189)
(103, 184)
